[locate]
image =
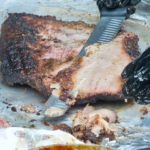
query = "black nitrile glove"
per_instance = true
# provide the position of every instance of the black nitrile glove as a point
(116, 3)
(113, 4)
(137, 79)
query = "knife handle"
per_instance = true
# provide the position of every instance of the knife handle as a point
(117, 7)
(114, 12)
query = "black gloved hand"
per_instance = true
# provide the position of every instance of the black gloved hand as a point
(110, 4)
(137, 79)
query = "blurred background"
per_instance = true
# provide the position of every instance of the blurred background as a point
(85, 10)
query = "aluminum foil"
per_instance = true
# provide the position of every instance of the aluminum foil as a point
(15, 138)
(132, 133)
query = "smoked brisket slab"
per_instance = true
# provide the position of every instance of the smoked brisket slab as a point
(38, 51)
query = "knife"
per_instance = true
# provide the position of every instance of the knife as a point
(113, 13)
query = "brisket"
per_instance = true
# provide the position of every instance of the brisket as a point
(38, 51)
(97, 76)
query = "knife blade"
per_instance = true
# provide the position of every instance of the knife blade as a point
(106, 29)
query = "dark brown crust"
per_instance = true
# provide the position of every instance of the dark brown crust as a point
(65, 79)
(131, 45)
(99, 97)
(21, 49)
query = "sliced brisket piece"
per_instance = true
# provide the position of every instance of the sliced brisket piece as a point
(97, 76)
(34, 48)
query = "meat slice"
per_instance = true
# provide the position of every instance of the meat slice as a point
(33, 48)
(39, 51)
(91, 125)
(97, 76)
(94, 125)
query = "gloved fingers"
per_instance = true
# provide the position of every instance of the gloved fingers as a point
(137, 86)
(136, 65)
(131, 87)
(140, 92)
(128, 71)
(143, 96)
(142, 60)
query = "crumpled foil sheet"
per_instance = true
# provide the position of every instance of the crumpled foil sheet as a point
(137, 131)
(30, 139)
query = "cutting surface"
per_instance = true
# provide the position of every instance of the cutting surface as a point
(15, 97)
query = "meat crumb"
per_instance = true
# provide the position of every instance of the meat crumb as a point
(90, 125)
(63, 127)
(144, 110)
(46, 123)
(28, 108)
(13, 109)
(125, 130)
(32, 126)
(38, 114)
